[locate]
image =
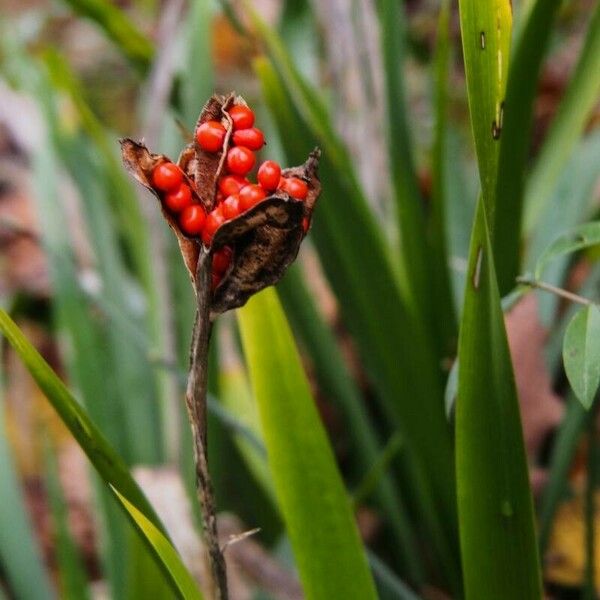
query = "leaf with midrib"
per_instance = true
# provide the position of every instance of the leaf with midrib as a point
(581, 354)
(497, 530)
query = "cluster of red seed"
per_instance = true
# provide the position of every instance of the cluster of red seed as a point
(236, 194)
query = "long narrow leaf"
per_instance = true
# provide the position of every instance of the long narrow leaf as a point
(486, 29)
(336, 382)
(495, 507)
(166, 555)
(409, 208)
(515, 139)
(444, 313)
(314, 503)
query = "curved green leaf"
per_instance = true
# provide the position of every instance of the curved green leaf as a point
(166, 556)
(497, 530)
(310, 491)
(583, 236)
(581, 354)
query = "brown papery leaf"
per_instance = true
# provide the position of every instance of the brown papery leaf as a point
(140, 163)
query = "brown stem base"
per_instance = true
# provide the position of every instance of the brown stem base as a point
(196, 406)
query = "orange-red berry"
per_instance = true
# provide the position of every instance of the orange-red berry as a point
(268, 175)
(240, 160)
(221, 260)
(232, 184)
(230, 208)
(178, 199)
(251, 195)
(167, 176)
(192, 219)
(295, 187)
(242, 117)
(252, 138)
(213, 221)
(210, 136)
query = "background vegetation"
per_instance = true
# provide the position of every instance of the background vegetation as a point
(455, 231)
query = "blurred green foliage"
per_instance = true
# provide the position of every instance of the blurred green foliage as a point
(390, 252)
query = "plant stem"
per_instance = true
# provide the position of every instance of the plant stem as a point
(195, 399)
(534, 283)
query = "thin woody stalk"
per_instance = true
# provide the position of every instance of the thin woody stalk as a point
(195, 398)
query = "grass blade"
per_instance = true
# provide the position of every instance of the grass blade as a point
(486, 30)
(494, 500)
(166, 556)
(577, 103)
(310, 491)
(437, 230)
(515, 139)
(336, 382)
(409, 209)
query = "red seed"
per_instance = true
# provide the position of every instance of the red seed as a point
(192, 219)
(221, 260)
(240, 160)
(215, 281)
(167, 176)
(232, 184)
(210, 136)
(306, 224)
(252, 138)
(213, 221)
(177, 200)
(242, 117)
(230, 208)
(268, 175)
(250, 196)
(295, 187)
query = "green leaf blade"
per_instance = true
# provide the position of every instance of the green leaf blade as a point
(497, 531)
(515, 138)
(165, 553)
(581, 354)
(486, 31)
(311, 494)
